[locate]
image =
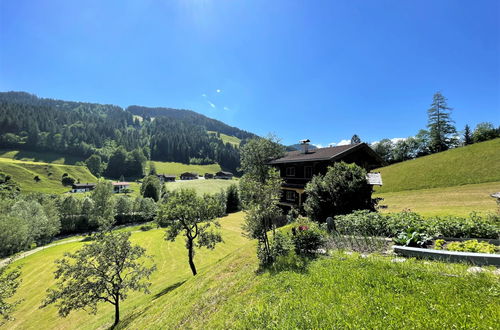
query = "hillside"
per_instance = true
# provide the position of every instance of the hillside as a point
(477, 163)
(230, 292)
(23, 172)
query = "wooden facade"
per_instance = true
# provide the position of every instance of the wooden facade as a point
(298, 167)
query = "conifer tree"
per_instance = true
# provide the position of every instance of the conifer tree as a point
(440, 124)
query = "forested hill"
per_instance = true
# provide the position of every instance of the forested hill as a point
(191, 117)
(86, 129)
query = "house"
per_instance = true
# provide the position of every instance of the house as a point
(189, 176)
(209, 176)
(224, 175)
(298, 167)
(82, 187)
(166, 178)
(119, 187)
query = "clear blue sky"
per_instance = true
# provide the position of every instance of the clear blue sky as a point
(321, 70)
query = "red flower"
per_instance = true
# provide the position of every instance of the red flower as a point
(303, 228)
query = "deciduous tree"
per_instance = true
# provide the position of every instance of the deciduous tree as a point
(9, 282)
(102, 271)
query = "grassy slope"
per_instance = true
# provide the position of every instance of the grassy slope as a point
(23, 173)
(179, 168)
(459, 200)
(228, 138)
(43, 157)
(202, 186)
(477, 163)
(343, 291)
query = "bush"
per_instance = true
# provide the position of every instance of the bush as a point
(67, 181)
(307, 237)
(146, 227)
(341, 190)
(413, 238)
(472, 246)
(473, 226)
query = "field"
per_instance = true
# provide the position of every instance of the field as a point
(477, 163)
(458, 200)
(229, 292)
(23, 172)
(179, 168)
(202, 186)
(228, 138)
(41, 157)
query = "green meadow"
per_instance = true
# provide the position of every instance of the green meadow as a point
(338, 291)
(179, 168)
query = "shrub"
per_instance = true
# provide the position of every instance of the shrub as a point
(67, 181)
(341, 190)
(413, 238)
(472, 246)
(362, 222)
(146, 227)
(438, 244)
(473, 226)
(307, 237)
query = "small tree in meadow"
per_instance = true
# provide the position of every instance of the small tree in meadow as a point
(9, 282)
(194, 217)
(151, 187)
(233, 199)
(102, 214)
(341, 190)
(102, 271)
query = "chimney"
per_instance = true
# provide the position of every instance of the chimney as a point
(305, 145)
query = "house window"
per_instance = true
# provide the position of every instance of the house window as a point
(290, 171)
(290, 195)
(308, 171)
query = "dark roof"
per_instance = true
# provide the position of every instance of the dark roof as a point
(224, 173)
(314, 154)
(166, 175)
(83, 185)
(189, 174)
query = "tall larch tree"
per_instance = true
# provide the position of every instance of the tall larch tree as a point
(440, 124)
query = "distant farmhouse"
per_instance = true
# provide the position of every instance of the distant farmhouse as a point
(118, 187)
(82, 187)
(224, 175)
(209, 176)
(298, 167)
(166, 178)
(189, 176)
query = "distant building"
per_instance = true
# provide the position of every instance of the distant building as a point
(209, 176)
(298, 167)
(224, 175)
(82, 187)
(189, 176)
(166, 178)
(118, 187)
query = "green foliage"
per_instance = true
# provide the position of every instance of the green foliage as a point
(123, 209)
(355, 139)
(467, 136)
(8, 187)
(413, 238)
(94, 164)
(151, 187)
(438, 244)
(14, 234)
(440, 124)
(256, 154)
(233, 199)
(485, 132)
(341, 190)
(476, 163)
(102, 271)
(392, 224)
(67, 181)
(307, 237)
(472, 246)
(102, 214)
(193, 216)
(9, 282)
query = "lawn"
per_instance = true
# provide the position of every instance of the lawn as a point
(228, 138)
(341, 291)
(477, 163)
(179, 168)
(23, 172)
(210, 186)
(459, 200)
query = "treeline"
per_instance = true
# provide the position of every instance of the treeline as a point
(87, 129)
(439, 135)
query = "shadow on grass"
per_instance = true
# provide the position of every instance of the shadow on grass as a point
(289, 263)
(126, 321)
(168, 289)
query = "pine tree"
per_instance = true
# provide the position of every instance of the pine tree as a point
(467, 135)
(440, 124)
(355, 139)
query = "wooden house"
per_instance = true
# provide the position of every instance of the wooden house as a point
(189, 176)
(209, 176)
(166, 178)
(119, 187)
(298, 167)
(82, 187)
(224, 175)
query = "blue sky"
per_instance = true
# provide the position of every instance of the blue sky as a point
(322, 70)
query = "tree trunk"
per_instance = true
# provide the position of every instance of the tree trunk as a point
(191, 256)
(117, 312)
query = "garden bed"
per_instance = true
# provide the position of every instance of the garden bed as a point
(480, 259)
